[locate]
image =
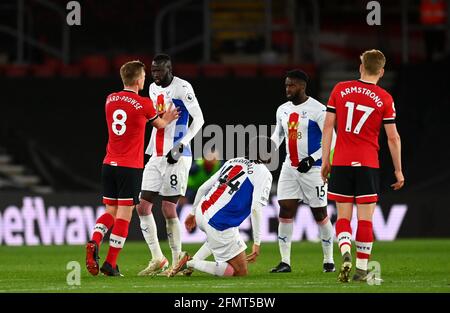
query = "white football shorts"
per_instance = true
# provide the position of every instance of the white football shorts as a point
(224, 244)
(164, 178)
(308, 187)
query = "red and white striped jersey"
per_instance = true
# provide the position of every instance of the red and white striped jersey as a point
(181, 94)
(302, 127)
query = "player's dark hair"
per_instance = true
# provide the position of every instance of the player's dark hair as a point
(162, 58)
(298, 74)
(130, 72)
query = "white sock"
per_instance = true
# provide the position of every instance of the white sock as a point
(213, 268)
(362, 264)
(284, 240)
(345, 243)
(326, 237)
(174, 237)
(149, 231)
(203, 252)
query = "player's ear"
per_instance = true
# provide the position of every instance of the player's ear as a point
(361, 69)
(381, 73)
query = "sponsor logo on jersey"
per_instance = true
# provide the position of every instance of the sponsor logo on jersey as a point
(292, 125)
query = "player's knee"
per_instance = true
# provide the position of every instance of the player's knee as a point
(144, 208)
(320, 214)
(169, 209)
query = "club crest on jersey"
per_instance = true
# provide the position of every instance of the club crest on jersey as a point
(160, 107)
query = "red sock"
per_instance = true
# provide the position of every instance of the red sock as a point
(344, 234)
(104, 222)
(117, 240)
(364, 239)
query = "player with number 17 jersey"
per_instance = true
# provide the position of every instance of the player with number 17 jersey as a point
(362, 107)
(127, 114)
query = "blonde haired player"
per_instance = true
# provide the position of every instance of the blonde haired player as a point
(358, 108)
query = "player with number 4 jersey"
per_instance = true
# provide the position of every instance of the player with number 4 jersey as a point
(240, 188)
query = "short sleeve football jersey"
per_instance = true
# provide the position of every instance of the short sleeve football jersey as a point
(181, 94)
(126, 116)
(361, 108)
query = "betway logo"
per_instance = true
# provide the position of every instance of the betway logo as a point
(305, 227)
(33, 224)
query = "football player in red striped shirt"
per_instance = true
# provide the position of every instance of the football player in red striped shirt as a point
(359, 108)
(126, 115)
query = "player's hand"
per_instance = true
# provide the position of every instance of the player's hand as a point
(305, 164)
(174, 154)
(171, 113)
(325, 171)
(400, 180)
(255, 252)
(190, 222)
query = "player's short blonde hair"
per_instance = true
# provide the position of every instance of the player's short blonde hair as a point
(373, 61)
(130, 72)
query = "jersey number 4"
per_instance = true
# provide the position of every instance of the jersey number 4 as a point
(118, 125)
(230, 175)
(351, 107)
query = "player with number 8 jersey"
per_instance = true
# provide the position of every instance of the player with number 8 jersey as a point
(126, 116)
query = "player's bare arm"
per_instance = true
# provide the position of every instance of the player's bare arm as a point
(327, 135)
(394, 143)
(170, 115)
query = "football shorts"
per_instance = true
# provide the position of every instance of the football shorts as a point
(358, 184)
(307, 187)
(121, 185)
(224, 244)
(164, 178)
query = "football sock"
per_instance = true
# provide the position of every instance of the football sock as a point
(285, 228)
(174, 237)
(203, 252)
(149, 231)
(104, 222)
(117, 240)
(364, 241)
(344, 235)
(326, 237)
(213, 268)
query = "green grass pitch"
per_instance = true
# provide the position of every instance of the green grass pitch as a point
(406, 266)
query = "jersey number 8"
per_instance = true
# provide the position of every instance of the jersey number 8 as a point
(119, 131)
